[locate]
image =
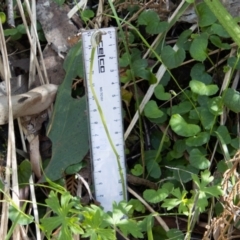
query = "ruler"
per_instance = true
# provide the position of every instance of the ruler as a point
(105, 81)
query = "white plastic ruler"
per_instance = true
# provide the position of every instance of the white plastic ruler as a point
(105, 80)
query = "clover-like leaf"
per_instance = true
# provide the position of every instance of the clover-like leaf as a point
(198, 140)
(197, 159)
(160, 93)
(203, 89)
(182, 128)
(198, 73)
(154, 196)
(215, 105)
(206, 17)
(172, 58)
(231, 99)
(198, 49)
(151, 110)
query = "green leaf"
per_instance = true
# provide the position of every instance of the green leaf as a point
(198, 140)
(182, 108)
(129, 226)
(219, 30)
(198, 73)
(152, 161)
(184, 174)
(231, 99)
(161, 94)
(139, 68)
(172, 58)
(148, 17)
(153, 169)
(87, 14)
(18, 217)
(234, 62)
(215, 105)
(207, 118)
(224, 133)
(154, 196)
(182, 128)
(203, 89)
(137, 205)
(151, 110)
(24, 173)
(137, 170)
(68, 128)
(197, 159)
(198, 49)
(206, 17)
(176, 234)
(124, 60)
(157, 27)
(2, 17)
(10, 32)
(21, 28)
(215, 40)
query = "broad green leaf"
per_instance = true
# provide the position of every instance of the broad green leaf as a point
(137, 205)
(231, 99)
(151, 110)
(157, 27)
(21, 28)
(224, 133)
(215, 40)
(215, 105)
(203, 89)
(137, 170)
(10, 32)
(198, 140)
(183, 38)
(184, 174)
(234, 62)
(172, 58)
(206, 17)
(24, 173)
(68, 128)
(235, 143)
(148, 17)
(197, 159)
(171, 203)
(129, 226)
(124, 60)
(182, 128)
(153, 169)
(49, 224)
(18, 217)
(198, 49)
(160, 93)
(176, 234)
(182, 108)
(139, 68)
(219, 30)
(207, 118)
(154, 196)
(87, 14)
(198, 73)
